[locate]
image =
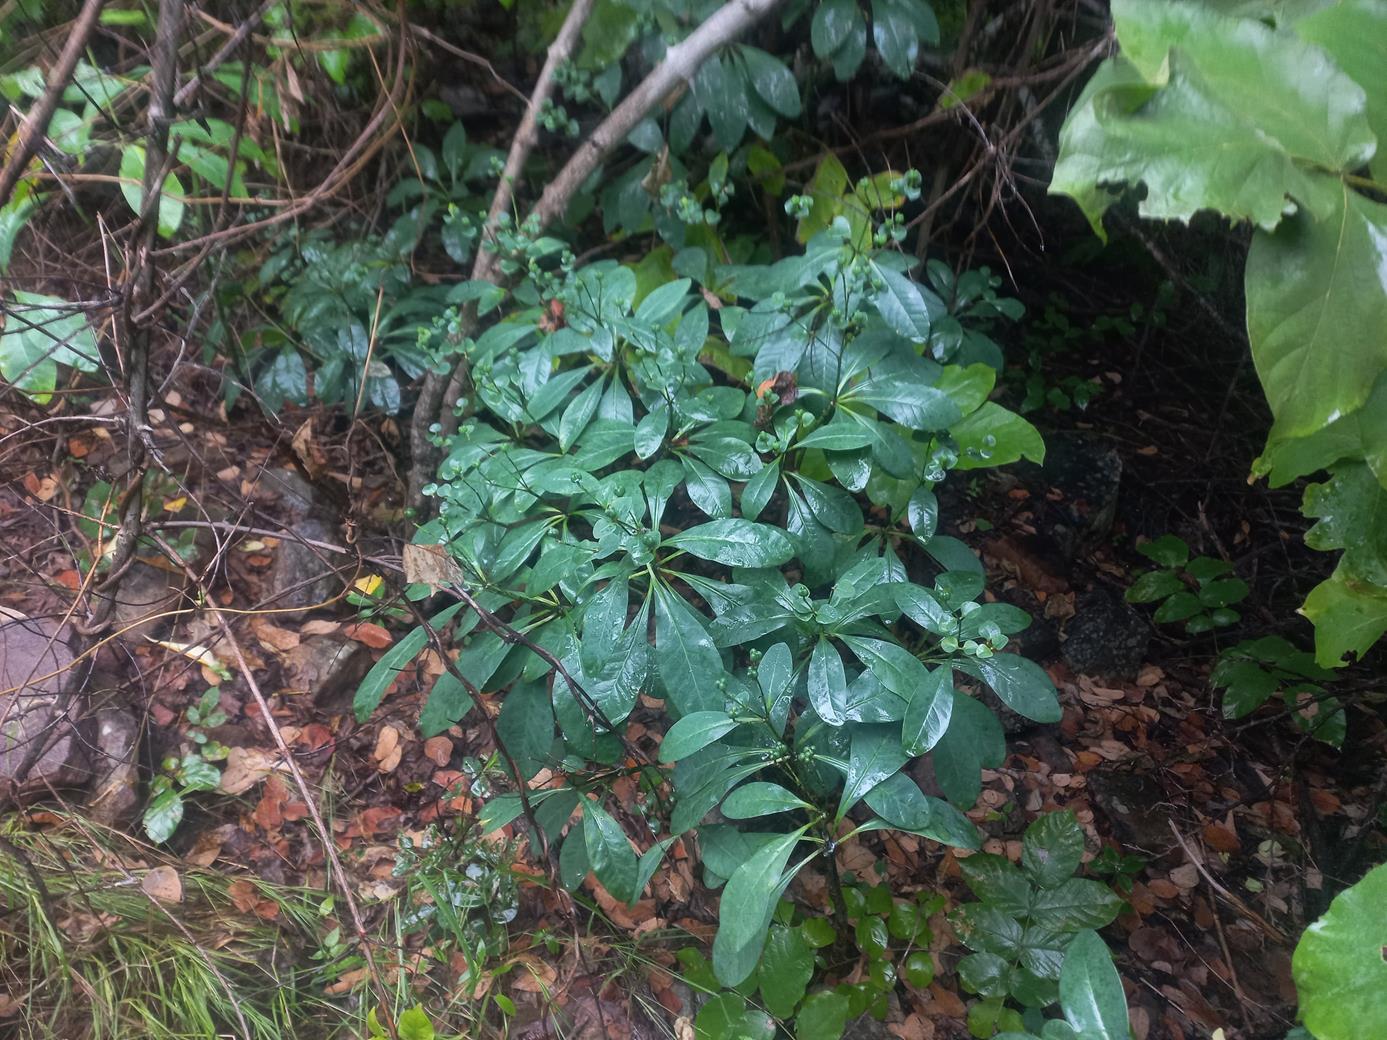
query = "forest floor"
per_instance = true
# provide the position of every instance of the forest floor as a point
(1223, 836)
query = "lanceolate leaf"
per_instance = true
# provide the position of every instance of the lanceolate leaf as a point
(736, 543)
(745, 912)
(875, 755)
(1090, 991)
(827, 683)
(392, 662)
(688, 662)
(693, 733)
(610, 854)
(927, 712)
(1021, 684)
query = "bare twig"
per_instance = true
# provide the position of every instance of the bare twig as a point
(679, 65)
(156, 169)
(1273, 933)
(36, 125)
(223, 52)
(325, 835)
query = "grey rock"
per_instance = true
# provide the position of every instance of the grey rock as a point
(328, 668)
(147, 600)
(1075, 491)
(303, 577)
(1105, 636)
(41, 747)
(115, 794)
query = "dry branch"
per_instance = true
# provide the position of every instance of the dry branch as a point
(36, 124)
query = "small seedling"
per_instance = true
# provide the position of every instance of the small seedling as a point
(1255, 671)
(1197, 591)
(195, 770)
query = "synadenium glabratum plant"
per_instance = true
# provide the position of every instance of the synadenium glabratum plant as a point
(722, 495)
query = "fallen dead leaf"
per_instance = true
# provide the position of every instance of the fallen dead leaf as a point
(43, 489)
(272, 637)
(431, 565)
(319, 627)
(246, 767)
(438, 750)
(309, 453)
(388, 749)
(163, 884)
(372, 635)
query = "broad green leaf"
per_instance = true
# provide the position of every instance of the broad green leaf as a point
(610, 853)
(927, 712)
(170, 208)
(1349, 617)
(838, 434)
(893, 31)
(831, 506)
(40, 333)
(707, 490)
(693, 733)
(895, 667)
(163, 815)
(578, 414)
(875, 755)
(772, 80)
(1209, 113)
(745, 911)
(736, 543)
(1354, 32)
(832, 22)
(1340, 973)
(760, 798)
(997, 882)
(757, 491)
(727, 1016)
(974, 740)
(996, 436)
(903, 392)
(786, 968)
(688, 662)
(987, 929)
(394, 661)
(824, 1016)
(901, 803)
(526, 726)
(414, 1024)
(1167, 550)
(1316, 300)
(922, 512)
(1076, 903)
(1022, 685)
(827, 683)
(1154, 585)
(900, 302)
(450, 700)
(573, 859)
(1052, 849)
(1352, 512)
(721, 88)
(1091, 993)
(924, 609)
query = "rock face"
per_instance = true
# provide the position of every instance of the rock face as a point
(146, 600)
(1106, 636)
(40, 746)
(303, 577)
(115, 794)
(327, 667)
(1075, 492)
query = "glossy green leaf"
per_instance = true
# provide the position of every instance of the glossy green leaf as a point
(875, 754)
(760, 798)
(827, 683)
(688, 662)
(163, 815)
(1076, 903)
(1091, 993)
(727, 1016)
(927, 712)
(1340, 972)
(1052, 849)
(786, 967)
(394, 661)
(1023, 685)
(745, 911)
(772, 81)
(824, 1016)
(736, 543)
(694, 732)
(610, 853)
